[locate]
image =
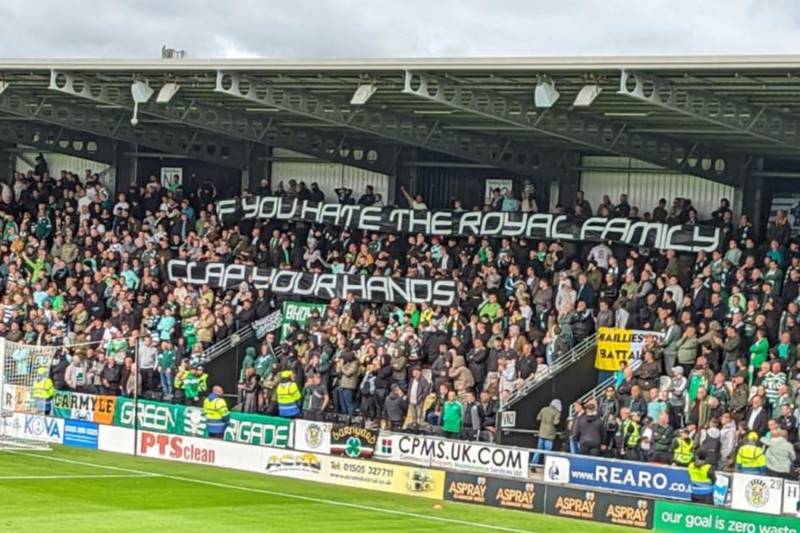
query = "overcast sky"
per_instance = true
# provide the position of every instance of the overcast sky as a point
(402, 28)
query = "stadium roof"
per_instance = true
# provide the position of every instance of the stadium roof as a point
(705, 115)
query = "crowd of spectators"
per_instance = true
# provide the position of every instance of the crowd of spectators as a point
(85, 269)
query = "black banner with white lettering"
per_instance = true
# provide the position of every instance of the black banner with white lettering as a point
(538, 226)
(315, 285)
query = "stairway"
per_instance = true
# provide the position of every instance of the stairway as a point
(597, 392)
(223, 359)
(569, 376)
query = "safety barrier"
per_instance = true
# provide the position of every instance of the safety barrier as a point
(106, 422)
(421, 480)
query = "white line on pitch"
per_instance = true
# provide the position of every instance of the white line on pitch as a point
(292, 496)
(78, 476)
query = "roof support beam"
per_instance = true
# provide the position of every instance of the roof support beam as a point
(580, 128)
(494, 151)
(742, 117)
(224, 121)
(48, 138)
(192, 144)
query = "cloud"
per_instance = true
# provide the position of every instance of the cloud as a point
(408, 28)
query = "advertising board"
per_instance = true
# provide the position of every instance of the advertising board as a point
(356, 473)
(465, 456)
(81, 434)
(791, 498)
(310, 436)
(759, 494)
(644, 479)
(114, 439)
(198, 450)
(353, 441)
(34, 427)
(599, 506)
(678, 517)
(495, 492)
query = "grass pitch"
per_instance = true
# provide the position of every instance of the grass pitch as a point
(68, 489)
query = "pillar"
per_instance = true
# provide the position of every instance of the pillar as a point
(125, 166)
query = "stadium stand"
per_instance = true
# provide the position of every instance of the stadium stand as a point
(82, 268)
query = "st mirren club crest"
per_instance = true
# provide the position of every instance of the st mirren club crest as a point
(314, 436)
(757, 493)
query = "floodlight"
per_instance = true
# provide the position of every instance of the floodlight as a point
(141, 93)
(363, 93)
(587, 95)
(168, 90)
(545, 94)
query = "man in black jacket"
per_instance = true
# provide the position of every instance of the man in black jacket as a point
(395, 407)
(589, 431)
(58, 370)
(476, 361)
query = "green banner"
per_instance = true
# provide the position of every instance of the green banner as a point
(163, 417)
(680, 517)
(260, 430)
(299, 312)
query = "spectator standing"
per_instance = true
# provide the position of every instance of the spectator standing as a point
(452, 416)
(215, 409)
(549, 418)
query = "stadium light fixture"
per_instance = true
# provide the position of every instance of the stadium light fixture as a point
(545, 94)
(141, 93)
(363, 94)
(587, 95)
(167, 91)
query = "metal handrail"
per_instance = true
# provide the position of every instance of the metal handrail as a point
(600, 387)
(218, 348)
(576, 353)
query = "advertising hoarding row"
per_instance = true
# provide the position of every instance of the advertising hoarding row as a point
(50, 430)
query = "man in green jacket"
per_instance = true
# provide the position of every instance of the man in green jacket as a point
(195, 384)
(452, 416)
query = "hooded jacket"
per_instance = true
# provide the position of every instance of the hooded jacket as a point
(549, 418)
(462, 377)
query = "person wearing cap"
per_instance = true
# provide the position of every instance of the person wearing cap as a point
(703, 477)
(288, 395)
(43, 390)
(215, 408)
(750, 458)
